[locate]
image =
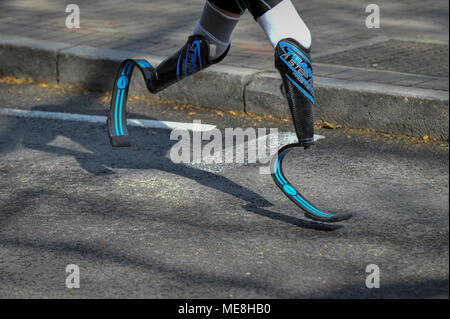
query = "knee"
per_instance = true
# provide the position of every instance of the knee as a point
(283, 21)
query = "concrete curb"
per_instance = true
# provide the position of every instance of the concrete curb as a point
(384, 108)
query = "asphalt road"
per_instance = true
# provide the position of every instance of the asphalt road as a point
(139, 226)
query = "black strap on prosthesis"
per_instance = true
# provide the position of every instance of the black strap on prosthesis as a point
(295, 67)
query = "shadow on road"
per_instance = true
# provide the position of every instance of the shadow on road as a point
(194, 279)
(148, 152)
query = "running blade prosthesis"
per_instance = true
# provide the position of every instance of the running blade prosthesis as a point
(190, 59)
(117, 114)
(294, 65)
(294, 195)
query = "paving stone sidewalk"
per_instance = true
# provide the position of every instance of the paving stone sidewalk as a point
(410, 49)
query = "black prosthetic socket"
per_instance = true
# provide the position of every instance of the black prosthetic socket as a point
(190, 59)
(294, 64)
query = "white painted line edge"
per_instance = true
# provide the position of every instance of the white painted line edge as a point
(168, 125)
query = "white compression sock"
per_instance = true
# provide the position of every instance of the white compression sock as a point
(216, 27)
(283, 21)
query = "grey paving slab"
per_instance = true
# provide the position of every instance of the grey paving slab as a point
(439, 84)
(394, 55)
(327, 70)
(413, 81)
(380, 77)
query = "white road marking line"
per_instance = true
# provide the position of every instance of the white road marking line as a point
(243, 149)
(168, 125)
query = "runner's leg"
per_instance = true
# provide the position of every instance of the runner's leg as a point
(208, 44)
(292, 42)
(216, 25)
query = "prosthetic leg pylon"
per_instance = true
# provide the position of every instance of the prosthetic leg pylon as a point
(294, 64)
